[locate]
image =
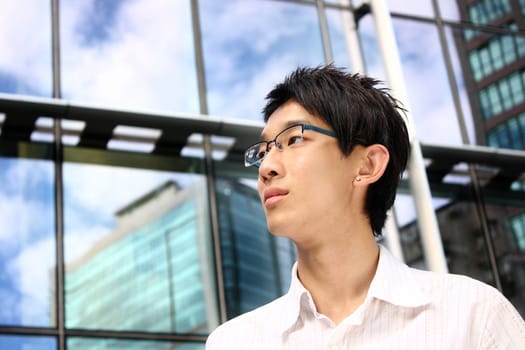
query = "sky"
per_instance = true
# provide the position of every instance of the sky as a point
(138, 55)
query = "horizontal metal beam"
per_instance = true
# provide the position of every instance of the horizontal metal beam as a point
(508, 165)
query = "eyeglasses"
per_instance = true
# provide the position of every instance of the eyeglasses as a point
(289, 137)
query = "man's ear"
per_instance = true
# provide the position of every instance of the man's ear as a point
(374, 162)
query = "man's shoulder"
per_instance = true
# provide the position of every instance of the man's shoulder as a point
(454, 286)
(250, 325)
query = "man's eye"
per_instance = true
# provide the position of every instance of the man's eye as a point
(295, 139)
(261, 154)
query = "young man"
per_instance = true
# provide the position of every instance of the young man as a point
(335, 146)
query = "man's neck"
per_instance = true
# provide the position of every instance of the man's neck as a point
(339, 275)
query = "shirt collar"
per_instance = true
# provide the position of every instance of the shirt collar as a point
(393, 283)
(293, 301)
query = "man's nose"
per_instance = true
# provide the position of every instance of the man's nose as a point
(271, 165)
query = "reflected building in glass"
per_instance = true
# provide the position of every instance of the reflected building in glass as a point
(494, 69)
(256, 264)
(150, 273)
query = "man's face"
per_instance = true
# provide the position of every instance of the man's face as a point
(304, 188)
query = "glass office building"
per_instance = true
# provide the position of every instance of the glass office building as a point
(127, 218)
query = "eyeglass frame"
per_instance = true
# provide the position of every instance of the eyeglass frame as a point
(304, 127)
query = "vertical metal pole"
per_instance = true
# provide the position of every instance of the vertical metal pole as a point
(210, 174)
(476, 188)
(59, 196)
(353, 42)
(327, 49)
(426, 218)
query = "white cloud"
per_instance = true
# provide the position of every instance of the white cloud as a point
(9, 299)
(107, 189)
(24, 214)
(245, 59)
(32, 273)
(20, 218)
(420, 7)
(145, 62)
(25, 40)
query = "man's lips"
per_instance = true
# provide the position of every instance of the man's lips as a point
(273, 195)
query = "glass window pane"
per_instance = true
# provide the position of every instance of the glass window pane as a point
(495, 99)
(338, 28)
(27, 342)
(474, 64)
(517, 87)
(27, 242)
(515, 134)
(503, 136)
(485, 104)
(504, 90)
(78, 343)
(434, 115)
(25, 38)
(420, 8)
(137, 242)
(493, 139)
(245, 63)
(495, 52)
(509, 51)
(518, 226)
(520, 43)
(449, 10)
(485, 61)
(256, 264)
(132, 54)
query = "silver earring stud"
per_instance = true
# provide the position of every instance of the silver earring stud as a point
(358, 178)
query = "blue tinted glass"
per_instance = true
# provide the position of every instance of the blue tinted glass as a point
(132, 54)
(434, 115)
(509, 51)
(495, 100)
(493, 139)
(27, 242)
(515, 134)
(505, 94)
(137, 243)
(518, 227)
(495, 52)
(27, 342)
(503, 136)
(517, 87)
(246, 58)
(78, 343)
(338, 27)
(256, 264)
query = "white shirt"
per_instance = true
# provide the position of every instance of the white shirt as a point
(404, 309)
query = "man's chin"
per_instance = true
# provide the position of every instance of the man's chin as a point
(278, 229)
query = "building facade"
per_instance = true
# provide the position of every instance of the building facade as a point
(494, 70)
(127, 218)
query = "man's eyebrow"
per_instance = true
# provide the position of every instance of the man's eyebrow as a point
(287, 125)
